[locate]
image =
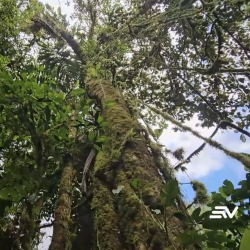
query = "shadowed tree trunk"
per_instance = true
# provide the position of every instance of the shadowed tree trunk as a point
(61, 232)
(125, 221)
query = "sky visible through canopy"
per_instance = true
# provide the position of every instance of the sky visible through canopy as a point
(211, 166)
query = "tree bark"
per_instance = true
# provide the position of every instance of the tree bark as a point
(125, 221)
(61, 232)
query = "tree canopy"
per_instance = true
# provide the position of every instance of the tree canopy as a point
(78, 103)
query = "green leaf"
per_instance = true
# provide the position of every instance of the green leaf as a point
(245, 241)
(91, 136)
(24, 75)
(218, 198)
(239, 194)
(217, 224)
(228, 187)
(158, 132)
(102, 139)
(59, 97)
(77, 84)
(205, 215)
(8, 192)
(104, 124)
(110, 103)
(217, 236)
(42, 68)
(4, 194)
(98, 66)
(8, 77)
(78, 91)
(170, 192)
(97, 148)
(196, 214)
(63, 133)
(180, 215)
(92, 72)
(221, 190)
(21, 191)
(100, 119)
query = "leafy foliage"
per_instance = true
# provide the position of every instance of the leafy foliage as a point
(179, 57)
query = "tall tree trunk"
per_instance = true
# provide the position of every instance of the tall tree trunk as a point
(61, 232)
(125, 221)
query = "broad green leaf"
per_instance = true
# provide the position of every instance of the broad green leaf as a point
(228, 187)
(4, 194)
(9, 192)
(100, 119)
(239, 194)
(102, 139)
(78, 91)
(91, 136)
(216, 224)
(170, 192)
(180, 215)
(245, 241)
(205, 215)
(97, 148)
(104, 124)
(24, 75)
(221, 190)
(218, 198)
(59, 97)
(196, 214)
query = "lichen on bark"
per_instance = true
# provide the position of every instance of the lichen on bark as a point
(61, 231)
(125, 221)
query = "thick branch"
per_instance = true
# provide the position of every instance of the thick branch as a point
(51, 28)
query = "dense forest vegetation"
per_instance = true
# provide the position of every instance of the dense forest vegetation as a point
(78, 109)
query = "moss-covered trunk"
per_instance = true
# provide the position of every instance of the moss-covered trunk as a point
(125, 220)
(61, 232)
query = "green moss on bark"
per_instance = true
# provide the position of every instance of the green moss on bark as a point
(61, 233)
(126, 221)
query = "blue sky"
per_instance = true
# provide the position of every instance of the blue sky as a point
(211, 166)
(215, 180)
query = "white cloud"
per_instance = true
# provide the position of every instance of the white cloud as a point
(44, 245)
(62, 4)
(210, 159)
